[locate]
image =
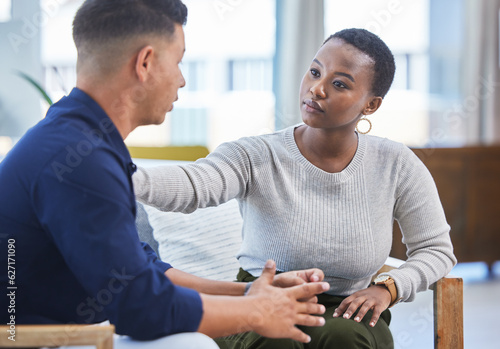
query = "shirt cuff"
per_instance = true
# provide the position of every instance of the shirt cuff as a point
(188, 310)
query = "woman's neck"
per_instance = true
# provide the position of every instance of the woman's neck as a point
(328, 150)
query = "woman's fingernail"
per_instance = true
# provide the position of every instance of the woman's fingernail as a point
(346, 316)
(372, 324)
(321, 321)
(356, 319)
(335, 314)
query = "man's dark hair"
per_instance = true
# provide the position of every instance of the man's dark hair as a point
(376, 49)
(99, 22)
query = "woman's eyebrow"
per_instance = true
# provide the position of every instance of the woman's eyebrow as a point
(318, 62)
(346, 75)
(349, 76)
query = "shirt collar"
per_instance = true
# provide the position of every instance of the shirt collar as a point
(105, 124)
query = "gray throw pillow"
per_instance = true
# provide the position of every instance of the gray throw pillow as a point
(203, 243)
(144, 229)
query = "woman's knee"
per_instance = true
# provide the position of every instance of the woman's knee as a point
(347, 333)
(188, 340)
(252, 340)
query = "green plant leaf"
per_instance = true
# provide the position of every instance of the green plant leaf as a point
(35, 85)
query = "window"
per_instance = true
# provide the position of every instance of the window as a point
(447, 58)
(253, 75)
(189, 126)
(195, 75)
(228, 73)
(5, 10)
(227, 67)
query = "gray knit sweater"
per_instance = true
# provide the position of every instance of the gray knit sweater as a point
(303, 217)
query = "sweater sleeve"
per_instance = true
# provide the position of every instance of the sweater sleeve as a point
(221, 176)
(89, 216)
(420, 215)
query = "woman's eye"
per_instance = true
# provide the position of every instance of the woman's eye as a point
(339, 84)
(314, 72)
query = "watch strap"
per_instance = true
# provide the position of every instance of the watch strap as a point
(391, 287)
(247, 287)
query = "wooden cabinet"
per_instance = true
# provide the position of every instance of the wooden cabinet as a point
(468, 182)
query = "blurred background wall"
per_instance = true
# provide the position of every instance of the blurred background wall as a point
(245, 59)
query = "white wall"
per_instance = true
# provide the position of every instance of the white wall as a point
(20, 104)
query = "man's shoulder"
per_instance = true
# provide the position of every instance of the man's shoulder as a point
(66, 144)
(55, 136)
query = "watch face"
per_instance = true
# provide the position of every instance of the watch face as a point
(381, 278)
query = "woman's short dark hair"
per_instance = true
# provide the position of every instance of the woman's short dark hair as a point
(369, 43)
(99, 22)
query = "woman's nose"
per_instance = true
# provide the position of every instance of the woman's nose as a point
(318, 90)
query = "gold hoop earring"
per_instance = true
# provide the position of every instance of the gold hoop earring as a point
(369, 123)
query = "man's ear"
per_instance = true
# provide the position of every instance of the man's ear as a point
(372, 106)
(143, 63)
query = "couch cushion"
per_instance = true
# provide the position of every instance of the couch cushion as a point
(203, 243)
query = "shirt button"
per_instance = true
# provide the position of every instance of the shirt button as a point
(132, 167)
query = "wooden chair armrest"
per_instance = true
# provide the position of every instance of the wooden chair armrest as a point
(27, 336)
(448, 304)
(448, 313)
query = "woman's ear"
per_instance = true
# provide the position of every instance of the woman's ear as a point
(372, 106)
(143, 63)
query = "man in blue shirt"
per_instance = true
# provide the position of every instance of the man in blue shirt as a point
(67, 206)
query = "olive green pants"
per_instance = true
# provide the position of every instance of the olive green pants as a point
(336, 333)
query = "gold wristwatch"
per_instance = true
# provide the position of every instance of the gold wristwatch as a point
(388, 282)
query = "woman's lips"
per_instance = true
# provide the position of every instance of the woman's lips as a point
(310, 104)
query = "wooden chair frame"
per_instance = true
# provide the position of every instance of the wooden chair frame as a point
(34, 336)
(447, 304)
